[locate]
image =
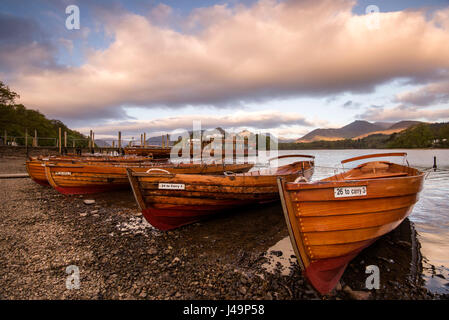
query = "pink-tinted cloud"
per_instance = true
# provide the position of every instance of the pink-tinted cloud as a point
(402, 112)
(431, 94)
(267, 119)
(227, 55)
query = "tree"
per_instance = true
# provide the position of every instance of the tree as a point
(419, 136)
(7, 97)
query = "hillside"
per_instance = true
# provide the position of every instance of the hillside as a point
(15, 118)
(356, 130)
(422, 135)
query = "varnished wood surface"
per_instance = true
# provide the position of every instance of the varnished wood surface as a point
(80, 175)
(213, 190)
(327, 227)
(376, 155)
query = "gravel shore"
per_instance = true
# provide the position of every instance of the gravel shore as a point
(121, 256)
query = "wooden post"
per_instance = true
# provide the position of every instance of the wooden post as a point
(141, 139)
(144, 140)
(6, 137)
(434, 163)
(168, 141)
(119, 140)
(93, 140)
(113, 144)
(59, 141)
(245, 149)
(26, 137)
(234, 151)
(73, 143)
(162, 143)
(65, 139)
(35, 138)
(257, 145)
(90, 139)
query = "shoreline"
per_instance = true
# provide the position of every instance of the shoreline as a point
(120, 256)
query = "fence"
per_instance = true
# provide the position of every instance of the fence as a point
(63, 141)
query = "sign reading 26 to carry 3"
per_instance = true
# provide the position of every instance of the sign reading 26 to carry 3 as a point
(342, 192)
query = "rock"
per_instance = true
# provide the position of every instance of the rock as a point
(276, 253)
(357, 295)
(176, 260)
(143, 294)
(89, 202)
(242, 290)
(347, 289)
(338, 286)
(177, 295)
(405, 244)
(386, 260)
(94, 211)
(360, 295)
(83, 214)
(152, 251)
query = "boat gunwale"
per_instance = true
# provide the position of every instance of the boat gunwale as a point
(230, 176)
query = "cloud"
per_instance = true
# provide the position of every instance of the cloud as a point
(431, 94)
(402, 112)
(23, 45)
(281, 121)
(228, 55)
(351, 105)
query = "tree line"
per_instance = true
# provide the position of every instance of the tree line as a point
(424, 135)
(15, 118)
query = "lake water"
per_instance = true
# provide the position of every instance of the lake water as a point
(430, 215)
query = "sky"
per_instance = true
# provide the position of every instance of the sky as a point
(285, 67)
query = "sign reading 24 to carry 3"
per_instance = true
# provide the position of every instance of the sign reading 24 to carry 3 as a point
(172, 186)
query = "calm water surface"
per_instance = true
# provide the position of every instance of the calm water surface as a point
(430, 215)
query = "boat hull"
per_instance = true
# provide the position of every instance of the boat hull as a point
(172, 217)
(328, 230)
(91, 189)
(36, 165)
(89, 179)
(202, 196)
(156, 153)
(36, 171)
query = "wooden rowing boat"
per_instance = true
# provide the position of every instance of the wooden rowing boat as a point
(36, 170)
(95, 158)
(330, 221)
(155, 152)
(171, 200)
(98, 177)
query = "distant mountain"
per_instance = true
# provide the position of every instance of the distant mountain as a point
(282, 140)
(404, 124)
(101, 143)
(356, 130)
(384, 125)
(157, 140)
